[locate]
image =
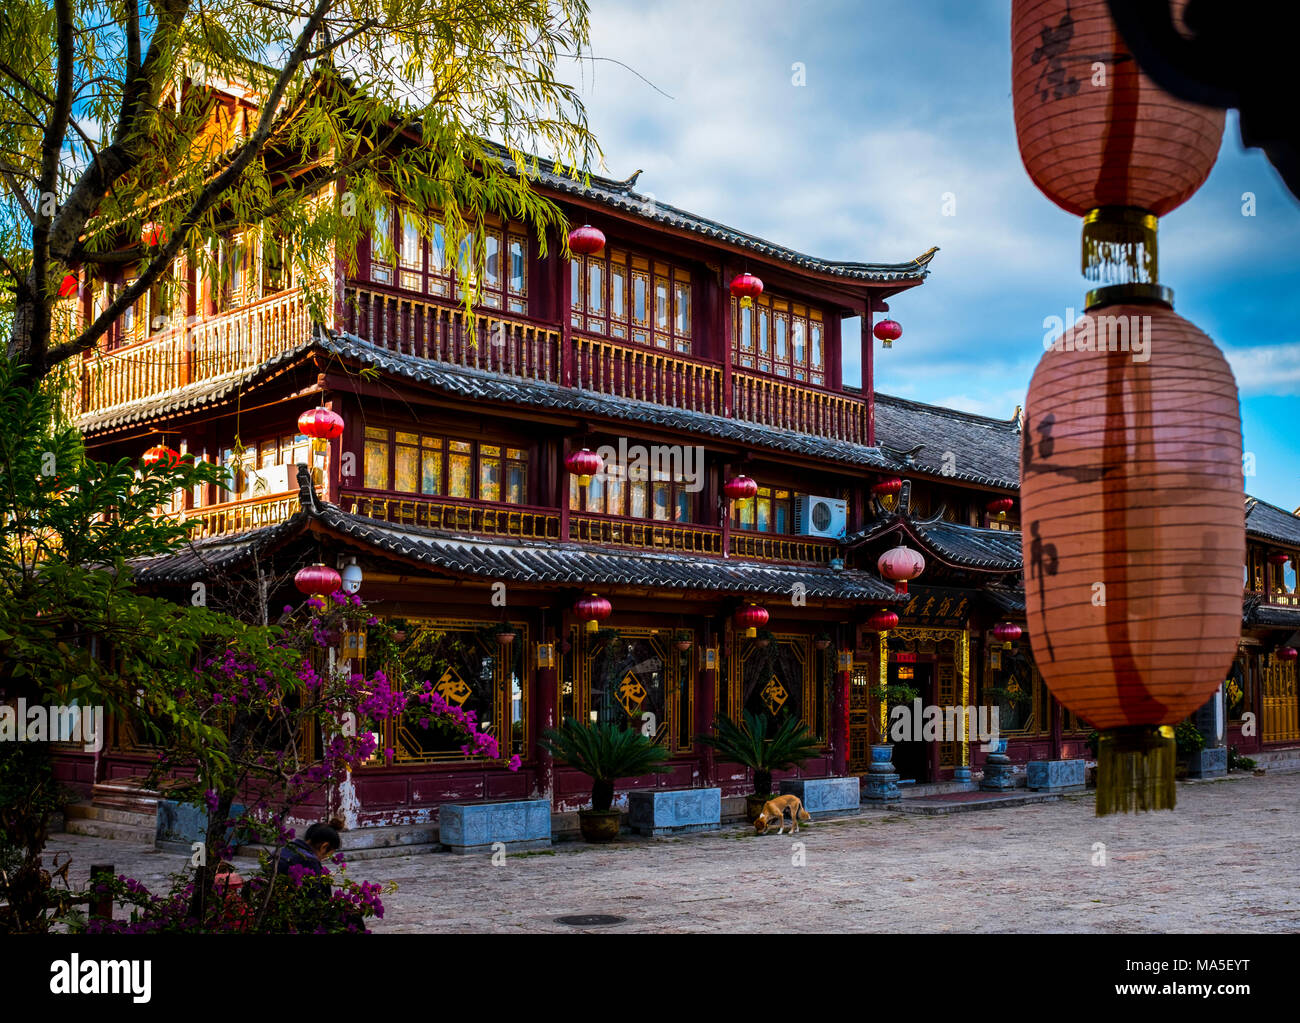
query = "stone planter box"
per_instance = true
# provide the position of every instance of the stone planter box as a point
(177, 826)
(674, 811)
(1208, 763)
(520, 824)
(825, 795)
(1056, 775)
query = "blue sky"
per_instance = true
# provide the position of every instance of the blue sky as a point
(903, 102)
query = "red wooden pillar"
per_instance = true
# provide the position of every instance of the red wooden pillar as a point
(726, 342)
(840, 717)
(562, 487)
(1057, 715)
(706, 705)
(868, 374)
(545, 696)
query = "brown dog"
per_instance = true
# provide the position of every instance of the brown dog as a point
(774, 810)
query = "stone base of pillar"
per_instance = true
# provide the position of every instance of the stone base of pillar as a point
(880, 784)
(999, 773)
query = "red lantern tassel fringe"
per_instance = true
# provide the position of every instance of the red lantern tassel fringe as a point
(1135, 770)
(1119, 245)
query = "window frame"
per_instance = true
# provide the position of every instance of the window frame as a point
(623, 325)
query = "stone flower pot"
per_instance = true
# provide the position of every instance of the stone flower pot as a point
(754, 804)
(599, 826)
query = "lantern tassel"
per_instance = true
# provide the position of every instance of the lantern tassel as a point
(1135, 770)
(1119, 245)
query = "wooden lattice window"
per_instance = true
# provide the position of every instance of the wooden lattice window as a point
(780, 337)
(632, 298)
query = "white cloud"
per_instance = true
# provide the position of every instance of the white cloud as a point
(1266, 369)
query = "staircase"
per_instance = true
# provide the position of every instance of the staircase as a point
(120, 809)
(1277, 761)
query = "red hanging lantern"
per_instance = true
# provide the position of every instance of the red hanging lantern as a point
(888, 331)
(1001, 506)
(882, 621)
(586, 240)
(746, 287)
(1007, 633)
(740, 488)
(751, 618)
(153, 233)
(321, 424)
(317, 580)
(888, 487)
(68, 285)
(162, 455)
(1278, 558)
(584, 464)
(1119, 152)
(593, 610)
(1286, 653)
(900, 565)
(1111, 446)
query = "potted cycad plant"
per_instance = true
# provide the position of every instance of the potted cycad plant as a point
(604, 752)
(763, 745)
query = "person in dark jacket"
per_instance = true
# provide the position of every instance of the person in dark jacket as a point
(309, 852)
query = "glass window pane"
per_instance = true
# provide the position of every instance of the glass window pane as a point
(410, 240)
(662, 494)
(661, 303)
(517, 482)
(379, 242)
(764, 521)
(575, 284)
(747, 329)
(459, 471)
(762, 331)
(618, 296)
(492, 271)
(781, 353)
(797, 343)
(375, 455)
(438, 250)
(518, 282)
(683, 308)
(406, 468)
(489, 478)
(614, 495)
(683, 507)
(816, 330)
(640, 289)
(637, 500)
(431, 471)
(595, 288)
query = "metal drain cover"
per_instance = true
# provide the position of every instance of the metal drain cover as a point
(590, 920)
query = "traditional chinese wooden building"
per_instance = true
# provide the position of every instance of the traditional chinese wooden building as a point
(449, 487)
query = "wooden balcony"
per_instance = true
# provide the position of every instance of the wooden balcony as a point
(643, 535)
(520, 521)
(767, 547)
(511, 345)
(208, 349)
(242, 516)
(224, 346)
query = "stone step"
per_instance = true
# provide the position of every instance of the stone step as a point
(90, 811)
(135, 834)
(1277, 761)
(919, 790)
(124, 796)
(930, 805)
(375, 843)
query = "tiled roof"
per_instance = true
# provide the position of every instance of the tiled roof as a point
(526, 561)
(986, 550)
(618, 195)
(1007, 600)
(983, 450)
(1270, 522)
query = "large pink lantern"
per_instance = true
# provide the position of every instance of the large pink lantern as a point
(900, 565)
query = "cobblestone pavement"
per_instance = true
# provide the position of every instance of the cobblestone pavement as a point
(1227, 859)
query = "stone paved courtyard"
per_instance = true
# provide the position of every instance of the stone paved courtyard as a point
(1228, 859)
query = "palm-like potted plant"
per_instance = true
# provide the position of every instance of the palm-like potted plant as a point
(604, 752)
(763, 745)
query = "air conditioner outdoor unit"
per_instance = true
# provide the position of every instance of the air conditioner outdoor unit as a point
(274, 479)
(821, 516)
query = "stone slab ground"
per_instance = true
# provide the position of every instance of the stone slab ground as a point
(1226, 860)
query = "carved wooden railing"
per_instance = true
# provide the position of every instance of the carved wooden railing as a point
(521, 521)
(241, 516)
(790, 406)
(766, 547)
(647, 374)
(657, 536)
(408, 325)
(208, 349)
